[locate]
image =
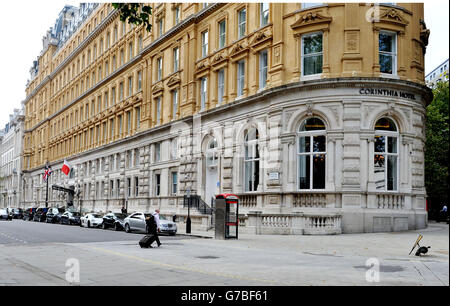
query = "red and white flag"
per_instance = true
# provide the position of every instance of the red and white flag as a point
(66, 168)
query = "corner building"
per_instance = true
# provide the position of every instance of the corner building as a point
(312, 114)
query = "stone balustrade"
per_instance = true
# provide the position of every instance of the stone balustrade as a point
(390, 201)
(294, 224)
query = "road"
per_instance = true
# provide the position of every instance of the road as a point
(34, 253)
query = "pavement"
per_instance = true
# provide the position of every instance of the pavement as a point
(114, 258)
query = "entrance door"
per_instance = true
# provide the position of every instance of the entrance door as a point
(212, 178)
(212, 174)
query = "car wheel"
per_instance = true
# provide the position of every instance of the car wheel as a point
(127, 228)
(104, 226)
(116, 227)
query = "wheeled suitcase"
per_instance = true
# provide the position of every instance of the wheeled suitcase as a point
(146, 241)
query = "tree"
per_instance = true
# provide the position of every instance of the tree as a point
(135, 13)
(437, 148)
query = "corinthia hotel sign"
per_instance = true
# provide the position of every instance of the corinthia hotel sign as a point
(387, 93)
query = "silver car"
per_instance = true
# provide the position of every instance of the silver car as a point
(136, 222)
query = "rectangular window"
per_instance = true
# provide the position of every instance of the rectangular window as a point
(136, 186)
(120, 125)
(160, 27)
(111, 188)
(240, 78)
(174, 103)
(203, 92)
(388, 52)
(262, 69)
(139, 80)
(312, 54)
(242, 23)
(158, 184)
(106, 100)
(176, 59)
(220, 85)
(174, 183)
(117, 187)
(138, 117)
(99, 104)
(111, 126)
(222, 34)
(129, 123)
(159, 67)
(264, 14)
(158, 111)
(113, 95)
(177, 15)
(121, 91)
(157, 152)
(130, 51)
(130, 86)
(204, 43)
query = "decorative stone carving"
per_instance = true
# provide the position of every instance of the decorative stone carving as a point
(311, 18)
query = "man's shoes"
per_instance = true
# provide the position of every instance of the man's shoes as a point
(159, 245)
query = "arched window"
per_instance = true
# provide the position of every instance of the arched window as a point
(386, 155)
(251, 160)
(311, 154)
(211, 153)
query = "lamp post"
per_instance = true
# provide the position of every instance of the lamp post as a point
(46, 186)
(188, 221)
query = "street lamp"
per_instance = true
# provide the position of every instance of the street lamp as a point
(188, 221)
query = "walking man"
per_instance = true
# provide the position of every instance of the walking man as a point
(153, 227)
(157, 227)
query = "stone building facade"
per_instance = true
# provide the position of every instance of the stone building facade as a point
(11, 141)
(313, 115)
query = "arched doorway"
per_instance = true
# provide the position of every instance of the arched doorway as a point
(211, 171)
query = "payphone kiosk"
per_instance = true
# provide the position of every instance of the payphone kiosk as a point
(227, 221)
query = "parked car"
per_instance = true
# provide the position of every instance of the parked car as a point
(40, 214)
(91, 220)
(28, 214)
(54, 215)
(4, 215)
(136, 222)
(17, 213)
(166, 226)
(114, 220)
(70, 218)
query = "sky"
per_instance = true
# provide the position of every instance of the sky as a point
(22, 42)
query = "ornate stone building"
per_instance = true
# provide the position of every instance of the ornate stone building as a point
(11, 141)
(312, 114)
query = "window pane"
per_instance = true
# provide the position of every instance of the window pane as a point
(386, 42)
(312, 124)
(312, 44)
(392, 173)
(304, 171)
(312, 65)
(319, 144)
(385, 124)
(380, 170)
(392, 144)
(386, 63)
(304, 144)
(319, 172)
(380, 144)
